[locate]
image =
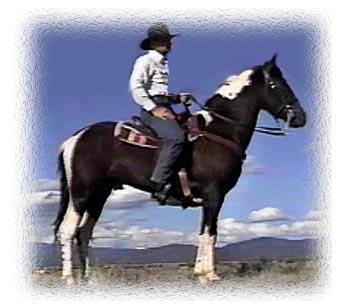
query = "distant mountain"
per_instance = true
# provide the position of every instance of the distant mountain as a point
(269, 248)
(48, 255)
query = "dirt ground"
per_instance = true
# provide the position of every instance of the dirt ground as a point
(276, 280)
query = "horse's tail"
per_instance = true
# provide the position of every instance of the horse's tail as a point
(64, 199)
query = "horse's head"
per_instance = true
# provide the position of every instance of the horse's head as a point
(278, 98)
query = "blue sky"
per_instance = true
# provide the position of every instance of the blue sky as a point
(84, 80)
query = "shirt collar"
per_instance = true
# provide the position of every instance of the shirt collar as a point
(157, 56)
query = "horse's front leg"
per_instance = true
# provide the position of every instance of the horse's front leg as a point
(205, 259)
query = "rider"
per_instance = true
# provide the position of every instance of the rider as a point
(149, 88)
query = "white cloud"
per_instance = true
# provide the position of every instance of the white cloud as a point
(136, 237)
(45, 185)
(267, 214)
(43, 197)
(127, 198)
(232, 231)
(305, 228)
(315, 215)
(153, 237)
(43, 239)
(119, 234)
(44, 191)
(252, 166)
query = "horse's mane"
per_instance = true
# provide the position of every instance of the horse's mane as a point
(235, 84)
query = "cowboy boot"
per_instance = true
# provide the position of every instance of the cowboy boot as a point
(161, 193)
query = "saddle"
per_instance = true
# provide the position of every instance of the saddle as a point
(137, 133)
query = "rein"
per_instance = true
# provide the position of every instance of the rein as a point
(274, 131)
(195, 132)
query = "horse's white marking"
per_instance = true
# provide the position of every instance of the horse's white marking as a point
(198, 200)
(117, 129)
(234, 84)
(68, 230)
(84, 219)
(71, 218)
(86, 228)
(206, 115)
(204, 264)
(199, 264)
(68, 148)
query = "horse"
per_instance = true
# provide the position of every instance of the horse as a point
(92, 162)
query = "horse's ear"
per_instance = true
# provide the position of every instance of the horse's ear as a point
(271, 63)
(273, 59)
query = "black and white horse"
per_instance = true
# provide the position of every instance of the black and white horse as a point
(93, 162)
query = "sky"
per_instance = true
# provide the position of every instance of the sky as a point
(84, 79)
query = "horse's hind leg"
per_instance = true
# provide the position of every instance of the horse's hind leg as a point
(75, 195)
(67, 234)
(84, 233)
(94, 206)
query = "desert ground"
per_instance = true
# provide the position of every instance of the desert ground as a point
(240, 280)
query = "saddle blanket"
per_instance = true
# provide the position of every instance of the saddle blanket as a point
(127, 132)
(141, 135)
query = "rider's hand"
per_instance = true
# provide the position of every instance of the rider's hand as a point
(186, 98)
(162, 112)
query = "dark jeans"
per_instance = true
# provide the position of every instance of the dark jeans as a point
(173, 140)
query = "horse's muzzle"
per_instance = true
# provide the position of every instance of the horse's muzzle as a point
(299, 118)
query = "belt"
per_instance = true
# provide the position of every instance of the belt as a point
(161, 100)
(167, 99)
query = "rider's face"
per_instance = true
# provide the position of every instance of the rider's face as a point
(162, 47)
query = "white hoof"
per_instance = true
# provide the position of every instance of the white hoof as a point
(68, 279)
(198, 269)
(212, 276)
(203, 280)
(209, 277)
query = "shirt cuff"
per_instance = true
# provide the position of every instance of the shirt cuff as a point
(149, 105)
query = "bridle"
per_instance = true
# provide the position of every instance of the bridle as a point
(280, 130)
(287, 107)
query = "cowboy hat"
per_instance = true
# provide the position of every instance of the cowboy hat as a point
(157, 32)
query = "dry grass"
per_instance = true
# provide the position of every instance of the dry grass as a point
(240, 280)
(298, 274)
